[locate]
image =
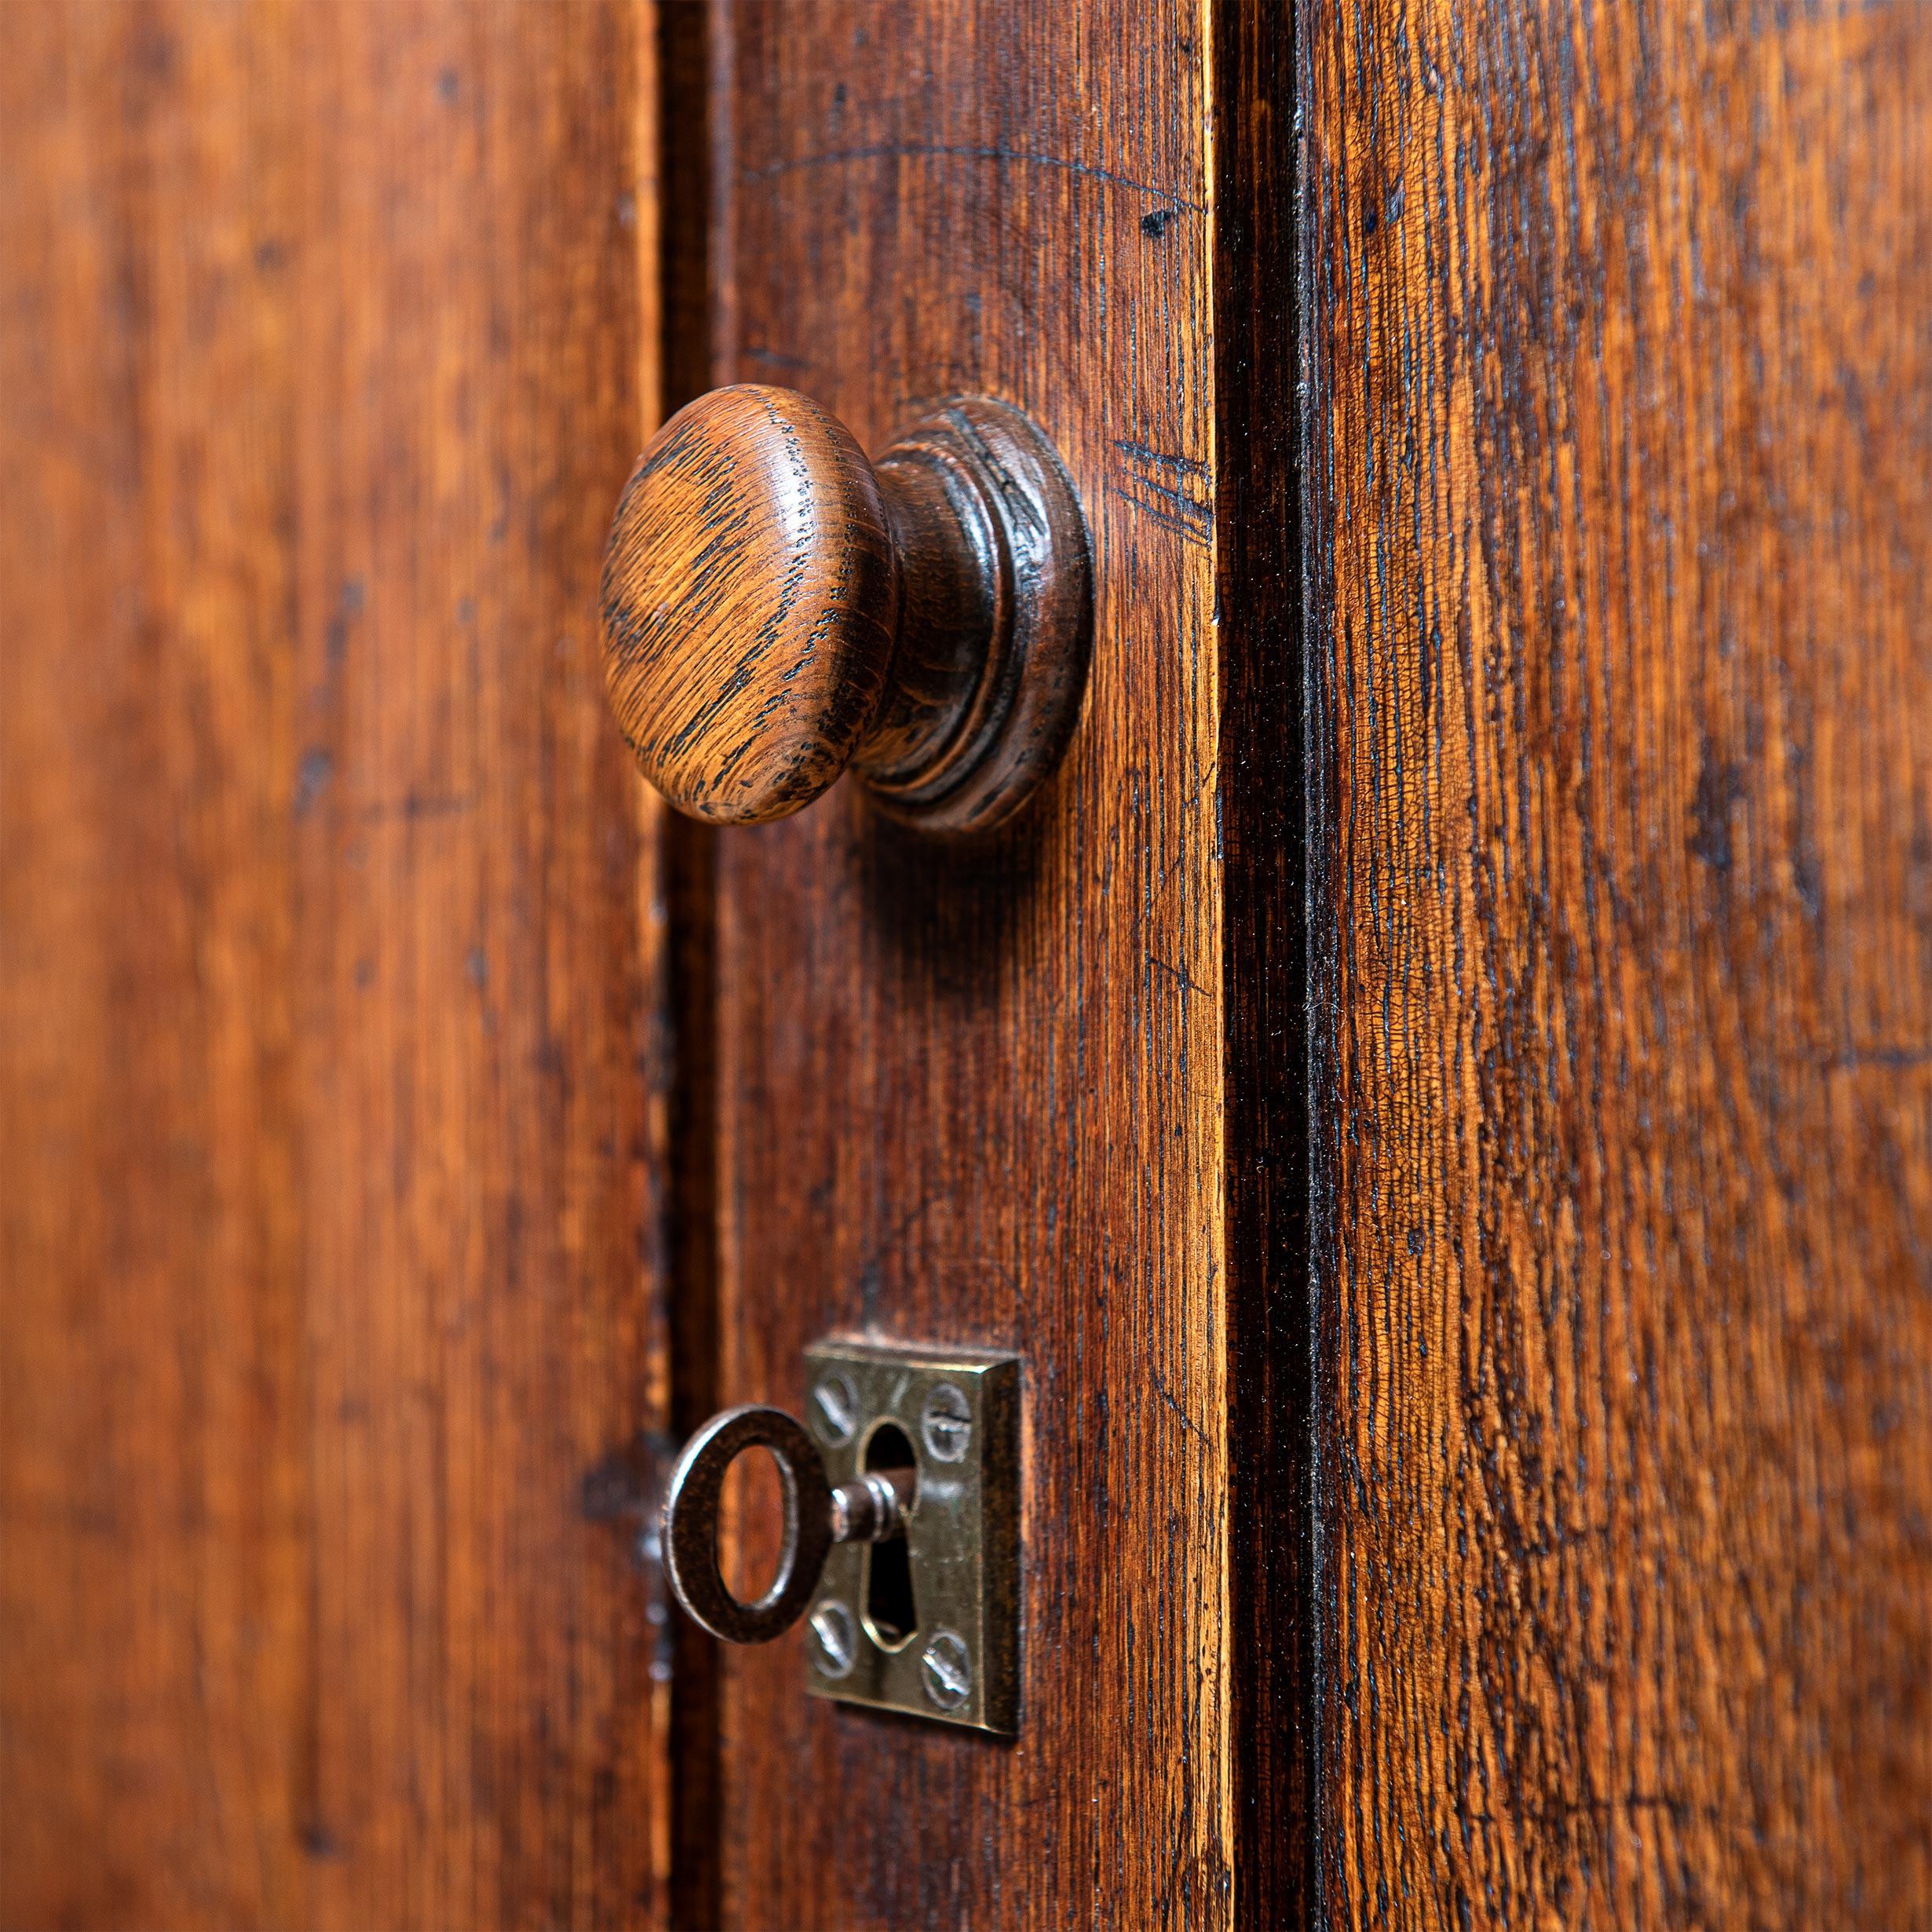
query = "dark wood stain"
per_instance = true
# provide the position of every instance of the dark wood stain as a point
(329, 1119)
(1258, 525)
(1620, 801)
(688, 854)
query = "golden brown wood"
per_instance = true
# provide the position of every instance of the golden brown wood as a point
(330, 1114)
(1621, 846)
(776, 608)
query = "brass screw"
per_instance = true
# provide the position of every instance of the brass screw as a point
(835, 1638)
(834, 1409)
(946, 1671)
(945, 1425)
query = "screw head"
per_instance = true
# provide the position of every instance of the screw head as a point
(834, 1409)
(835, 1638)
(946, 1671)
(946, 1424)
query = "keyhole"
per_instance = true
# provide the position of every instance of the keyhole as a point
(891, 1614)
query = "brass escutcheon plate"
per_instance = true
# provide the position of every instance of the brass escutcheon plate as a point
(959, 1411)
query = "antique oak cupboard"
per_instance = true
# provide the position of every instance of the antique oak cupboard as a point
(1433, 1082)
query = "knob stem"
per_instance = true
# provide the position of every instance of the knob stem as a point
(947, 552)
(994, 628)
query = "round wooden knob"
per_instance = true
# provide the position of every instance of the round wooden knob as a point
(777, 609)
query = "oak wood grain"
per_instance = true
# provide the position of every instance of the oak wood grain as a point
(750, 598)
(1620, 837)
(331, 1113)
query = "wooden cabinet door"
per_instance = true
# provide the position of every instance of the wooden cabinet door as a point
(1439, 1092)
(1619, 781)
(330, 1093)
(1435, 1090)
(1011, 1091)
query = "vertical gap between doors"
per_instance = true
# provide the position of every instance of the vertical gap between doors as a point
(689, 871)
(1275, 1604)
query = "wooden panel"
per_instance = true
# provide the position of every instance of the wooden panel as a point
(328, 1124)
(974, 1092)
(1621, 821)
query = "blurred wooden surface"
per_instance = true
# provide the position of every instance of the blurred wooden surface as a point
(1621, 838)
(331, 1103)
